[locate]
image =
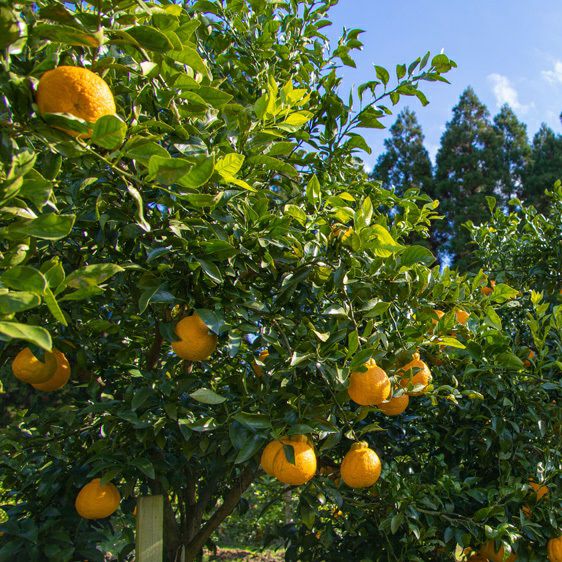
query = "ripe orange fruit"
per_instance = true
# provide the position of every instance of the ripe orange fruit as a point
(268, 455)
(554, 549)
(462, 316)
(540, 489)
(439, 314)
(488, 550)
(361, 466)
(75, 90)
(415, 372)
(305, 462)
(27, 368)
(196, 342)
(486, 291)
(530, 357)
(370, 387)
(395, 406)
(95, 501)
(258, 369)
(60, 376)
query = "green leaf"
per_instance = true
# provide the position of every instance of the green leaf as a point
(18, 301)
(509, 361)
(229, 165)
(253, 444)
(25, 278)
(313, 190)
(492, 319)
(168, 170)
(33, 334)
(416, 254)
(296, 212)
(141, 221)
(200, 174)
(91, 275)
(67, 35)
(142, 149)
(145, 466)
(253, 421)
(192, 58)
(381, 241)
(47, 227)
(451, 342)
(53, 305)
(150, 38)
(109, 131)
(140, 397)
(211, 270)
(214, 96)
(274, 164)
(206, 396)
(503, 293)
(382, 74)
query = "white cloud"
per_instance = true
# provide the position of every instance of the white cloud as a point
(555, 75)
(505, 92)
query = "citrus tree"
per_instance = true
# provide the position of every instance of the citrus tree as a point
(188, 231)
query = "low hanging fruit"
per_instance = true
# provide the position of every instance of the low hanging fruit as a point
(554, 549)
(304, 466)
(268, 455)
(488, 551)
(369, 387)
(258, 369)
(361, 466)
(97, 501)
(416, 373)
(395, 406)
(60, 376)
(196, 342)
(27, 368)
(77, 91)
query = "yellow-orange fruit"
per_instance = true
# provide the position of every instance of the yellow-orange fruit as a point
(196, 342)
(27, 368)
(415, 372)
(486, 291)
(489, 551)
(75, 90)
(60, 376)
(439, 314)
(361, 466)
(540, 489)
(268, 455)
(395, 406)
(258, 369)
(370, 387)
(97, 501)
(304, 467)
(530, 357)
(462, 316)
(554, 549)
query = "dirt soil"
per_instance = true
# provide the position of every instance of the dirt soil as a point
(235, 554)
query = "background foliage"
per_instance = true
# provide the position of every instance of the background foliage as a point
(224, 185)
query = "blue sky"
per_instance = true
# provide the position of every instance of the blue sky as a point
(508, 51)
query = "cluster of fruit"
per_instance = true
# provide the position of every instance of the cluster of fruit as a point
(48, 375)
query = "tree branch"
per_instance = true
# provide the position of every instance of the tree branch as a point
(154, 352)
(230, 501)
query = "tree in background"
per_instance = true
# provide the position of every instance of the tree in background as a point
(465, 173)
(545, 166)
(405, 162)
(512, 153)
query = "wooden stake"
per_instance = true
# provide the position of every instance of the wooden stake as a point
(150, 529)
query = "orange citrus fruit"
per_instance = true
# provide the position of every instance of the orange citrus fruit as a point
(370, 387)
(361, 466)
(97, 501)
(27, 368)
(196, 342)
(75, 90)
(60, 377)
(415, 372)
(395, 406)
(258, 369)
(304, 466)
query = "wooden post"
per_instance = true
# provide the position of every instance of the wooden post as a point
(150, 529)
